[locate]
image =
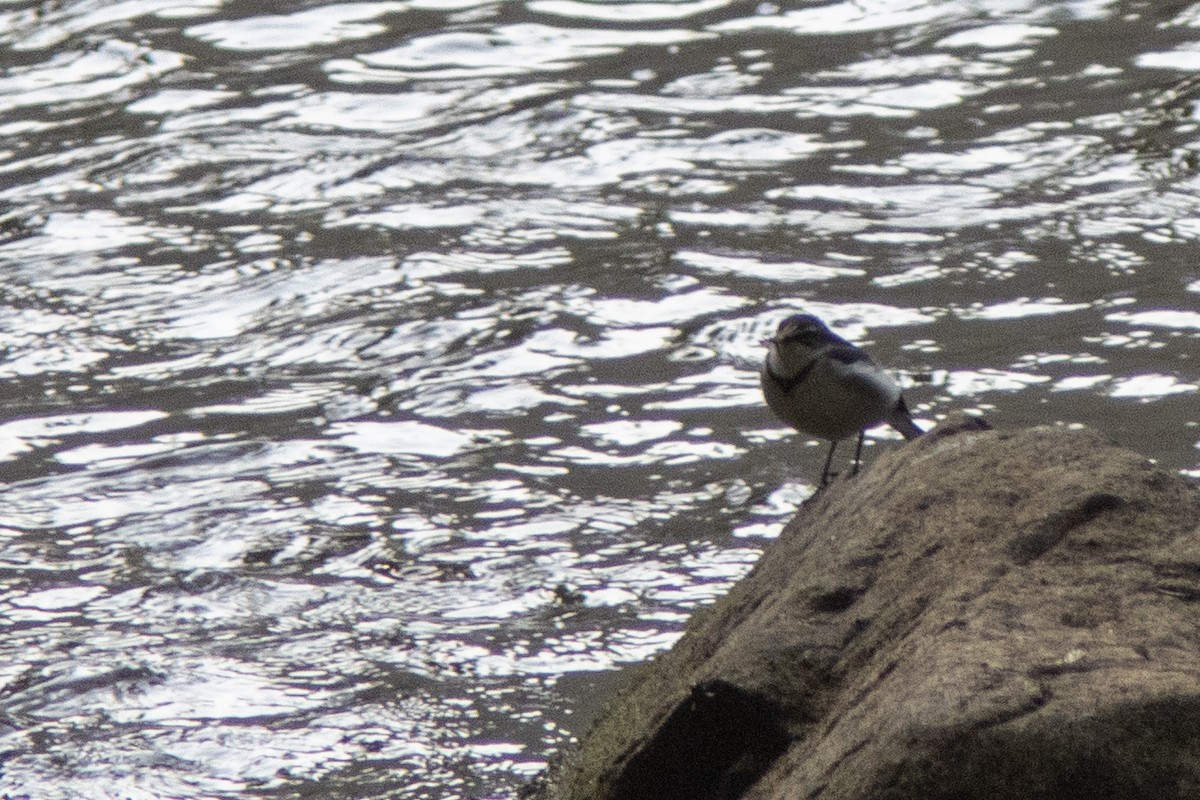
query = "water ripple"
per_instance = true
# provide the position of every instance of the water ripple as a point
(381, 377)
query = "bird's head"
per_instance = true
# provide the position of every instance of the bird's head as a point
(802, 331)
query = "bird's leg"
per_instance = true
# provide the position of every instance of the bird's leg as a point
(828, 461)
(858, 453)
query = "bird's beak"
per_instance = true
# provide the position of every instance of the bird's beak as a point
(766, 342)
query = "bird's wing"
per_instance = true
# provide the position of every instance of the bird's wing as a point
(847, 354)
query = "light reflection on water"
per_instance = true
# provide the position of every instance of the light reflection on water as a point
(380, 377)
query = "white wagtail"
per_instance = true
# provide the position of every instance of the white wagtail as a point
(822, 385)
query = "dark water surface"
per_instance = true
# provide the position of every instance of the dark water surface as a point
(378, 378)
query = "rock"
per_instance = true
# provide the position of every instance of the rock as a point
(979, 614)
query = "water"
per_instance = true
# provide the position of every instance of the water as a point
(379, 378)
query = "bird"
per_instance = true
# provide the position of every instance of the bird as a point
(824, 386)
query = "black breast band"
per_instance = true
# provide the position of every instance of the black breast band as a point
(787, 384)
(845, 354)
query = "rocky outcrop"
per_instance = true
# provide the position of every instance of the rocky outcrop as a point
(979, 614)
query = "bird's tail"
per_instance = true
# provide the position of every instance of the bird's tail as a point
(902, 420)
